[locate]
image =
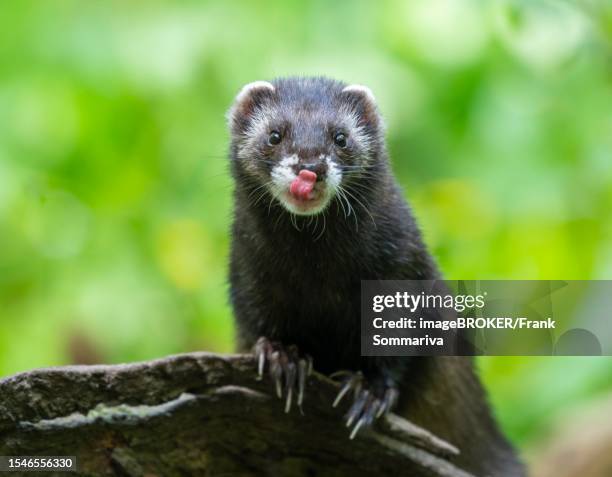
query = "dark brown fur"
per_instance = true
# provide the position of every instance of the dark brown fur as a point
(292, 283)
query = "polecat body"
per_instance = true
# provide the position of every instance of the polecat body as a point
(316, 210)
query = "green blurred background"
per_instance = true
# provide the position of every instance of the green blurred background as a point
(115, 196)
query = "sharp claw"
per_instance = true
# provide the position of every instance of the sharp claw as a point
(390, 399)
(260, 367)
(368, 404)
(371, 412)
(342, 393)
(276, 371)
(357, 407)
(288, 402)
(290, 374)
(286, 369)
(360, 422)
(354, 382)
(302, 366)
(260, 353)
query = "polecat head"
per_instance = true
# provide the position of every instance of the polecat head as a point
(304, 138)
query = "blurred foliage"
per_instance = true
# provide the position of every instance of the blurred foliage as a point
(115, 197)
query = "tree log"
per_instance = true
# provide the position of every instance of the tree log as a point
(202, 414)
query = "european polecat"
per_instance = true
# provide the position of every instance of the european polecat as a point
(316, 210)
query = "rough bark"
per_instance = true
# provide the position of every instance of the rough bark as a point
(201, 414)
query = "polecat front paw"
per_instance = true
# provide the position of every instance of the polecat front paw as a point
(371, 399)
(287, 368)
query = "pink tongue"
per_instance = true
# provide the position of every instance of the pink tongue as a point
(302, 185)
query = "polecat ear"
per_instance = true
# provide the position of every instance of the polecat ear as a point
(246, 102)
(364, 102)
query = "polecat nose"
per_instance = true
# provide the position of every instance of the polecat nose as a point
(318, 168)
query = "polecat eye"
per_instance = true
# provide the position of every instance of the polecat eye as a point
(274, 138)
(340, 140)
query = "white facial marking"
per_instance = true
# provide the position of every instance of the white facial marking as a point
(290, 161)
(283, 174)
(334, 176)
(356, 128)
(358, 133)
(258, 127)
